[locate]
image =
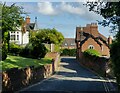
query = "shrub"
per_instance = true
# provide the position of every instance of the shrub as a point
(34, 51)
(3, 52)
(57, 48)
(15, 49)
(26, 51)
(38, 51)
(91, 52)
(115, 57)
(68, 52)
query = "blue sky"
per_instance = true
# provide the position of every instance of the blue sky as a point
(64, 16)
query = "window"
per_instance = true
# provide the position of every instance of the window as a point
(72, 43)
(65, 44)
(17, 37)
(12, 37)
(90, 47)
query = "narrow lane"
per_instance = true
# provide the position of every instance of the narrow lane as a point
(71, 78)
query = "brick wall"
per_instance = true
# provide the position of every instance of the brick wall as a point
(16, 79)
(97, 64)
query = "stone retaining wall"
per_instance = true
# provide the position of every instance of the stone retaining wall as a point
(16, 79)
(97, 64)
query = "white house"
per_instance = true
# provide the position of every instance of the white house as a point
(21, 38)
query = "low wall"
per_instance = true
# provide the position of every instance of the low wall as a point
(97, 64)
(16, 79)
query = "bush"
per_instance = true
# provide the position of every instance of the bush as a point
(91, 52)
(26, 51)
(3, 52)
(15, 49)
(38, 51)
(34, 51)
(68, 52)
(57, 48)
(115, 57)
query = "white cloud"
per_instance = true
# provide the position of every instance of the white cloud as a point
(46, 8)
(72, 9)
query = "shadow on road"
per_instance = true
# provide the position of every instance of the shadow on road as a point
(71, 78)
(78, 70)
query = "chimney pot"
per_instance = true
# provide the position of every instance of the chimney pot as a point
(27, 20)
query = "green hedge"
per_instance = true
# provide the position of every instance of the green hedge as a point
(68, 52)
(15, 49)
(91, 52)
(34, 51)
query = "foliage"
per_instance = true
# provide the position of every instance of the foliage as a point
(9, 18)
(91, 52)
(57, 48)
(6, 42)
(15, 49)
(48, 36)
(35, 50)
(21, 62)
(3, 54)
(115, 57)
(109, 10)
(68, 52)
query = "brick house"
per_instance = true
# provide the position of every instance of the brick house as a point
(89, 38)
(68, 43)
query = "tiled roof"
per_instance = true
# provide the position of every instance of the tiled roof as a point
(69, 42)
(30, 26)
(86, 35)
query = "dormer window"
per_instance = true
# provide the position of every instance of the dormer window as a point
(90, 47)
(72, 43)
(65, 44)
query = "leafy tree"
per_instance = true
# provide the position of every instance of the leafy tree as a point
(9, 20)
(48, 36)
(111, 13)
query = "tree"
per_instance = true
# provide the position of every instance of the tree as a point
(9, 19)
(111, 13)
(48, 36)
(35, 48)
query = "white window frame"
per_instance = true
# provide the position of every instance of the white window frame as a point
(90, 47)
(66, 44)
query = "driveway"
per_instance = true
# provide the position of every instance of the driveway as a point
(71, 78)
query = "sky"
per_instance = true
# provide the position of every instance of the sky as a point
(64, 16)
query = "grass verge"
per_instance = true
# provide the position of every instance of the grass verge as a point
(22, 62)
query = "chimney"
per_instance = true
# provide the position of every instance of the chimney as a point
(94, 29)
(109, 40)
(27, 20)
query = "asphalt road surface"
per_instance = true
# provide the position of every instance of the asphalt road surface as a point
(71, 78)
